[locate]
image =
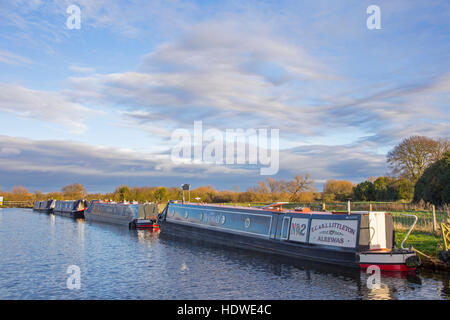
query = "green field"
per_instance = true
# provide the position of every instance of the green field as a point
(427, 243)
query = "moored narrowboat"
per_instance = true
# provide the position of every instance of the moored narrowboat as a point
(44, 206)
(71, 208)
(141, 216)
(354, 240)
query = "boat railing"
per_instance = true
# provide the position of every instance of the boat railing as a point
(410, 229)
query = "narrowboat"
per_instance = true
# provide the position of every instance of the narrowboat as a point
(70, 208)
(44, 206)
(132, 215)
(353, 239)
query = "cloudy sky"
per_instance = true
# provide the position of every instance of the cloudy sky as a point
(98, 105)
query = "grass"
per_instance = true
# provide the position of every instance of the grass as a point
(427, 243)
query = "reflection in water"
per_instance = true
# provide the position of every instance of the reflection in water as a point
(147, 236)
(80, 225)
(446, 287)
(184, 267)
(381, 292)
(118, 263)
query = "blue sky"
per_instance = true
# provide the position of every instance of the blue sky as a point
(97, 105)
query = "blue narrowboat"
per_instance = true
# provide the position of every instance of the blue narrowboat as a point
(355, 240)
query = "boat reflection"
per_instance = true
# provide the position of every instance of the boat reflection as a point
(353, 281)
(146, 236)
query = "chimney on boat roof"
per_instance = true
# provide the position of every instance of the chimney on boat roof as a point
(349, 210)
(186, 187)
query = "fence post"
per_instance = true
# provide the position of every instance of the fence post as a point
(324, 207)
(370, 207)
(434, 217)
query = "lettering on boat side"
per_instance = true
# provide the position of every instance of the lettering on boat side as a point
(340, 233)
(299, 229)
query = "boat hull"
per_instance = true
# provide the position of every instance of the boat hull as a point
(70, 214)
(290, 250)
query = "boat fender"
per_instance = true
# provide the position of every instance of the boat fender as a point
(444, 256)
(413, 261)
(132, 225)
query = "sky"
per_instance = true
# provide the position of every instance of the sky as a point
(99, 104)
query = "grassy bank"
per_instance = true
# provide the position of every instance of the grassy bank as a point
(427, 243)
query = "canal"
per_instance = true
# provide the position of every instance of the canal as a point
(36, 250)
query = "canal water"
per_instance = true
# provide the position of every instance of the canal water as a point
(36, 250)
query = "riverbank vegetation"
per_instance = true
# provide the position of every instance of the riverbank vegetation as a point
(427, 243)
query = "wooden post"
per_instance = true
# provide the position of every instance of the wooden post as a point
(324, 207)
(370, 207)
(434, 218)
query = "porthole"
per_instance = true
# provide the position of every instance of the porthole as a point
(247, 223)
(222, 220)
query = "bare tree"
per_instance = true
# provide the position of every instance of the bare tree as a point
(298, 185)
(413, 155)
(442, 147)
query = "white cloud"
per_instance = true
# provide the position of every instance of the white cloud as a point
(80, 69)
(43, 105)
(14, 59)
(216, 70)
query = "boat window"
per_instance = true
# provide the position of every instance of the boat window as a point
(285, 228)
(186, 214)
(222, 219)
(247, 223)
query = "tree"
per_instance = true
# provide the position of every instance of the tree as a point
(413, 155)
(74, 191)
(380, 188)
(38, 195)
(337, 189)
(205, 193)
(122, 193)
(434, 185)
(19, 193)
(160, 193)
(364, 191)
(298, 185)
(405, 189)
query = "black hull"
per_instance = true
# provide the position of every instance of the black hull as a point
(269, 246)
(74, 215)
(44, 210)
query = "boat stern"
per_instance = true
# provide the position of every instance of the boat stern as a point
(401, 260)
